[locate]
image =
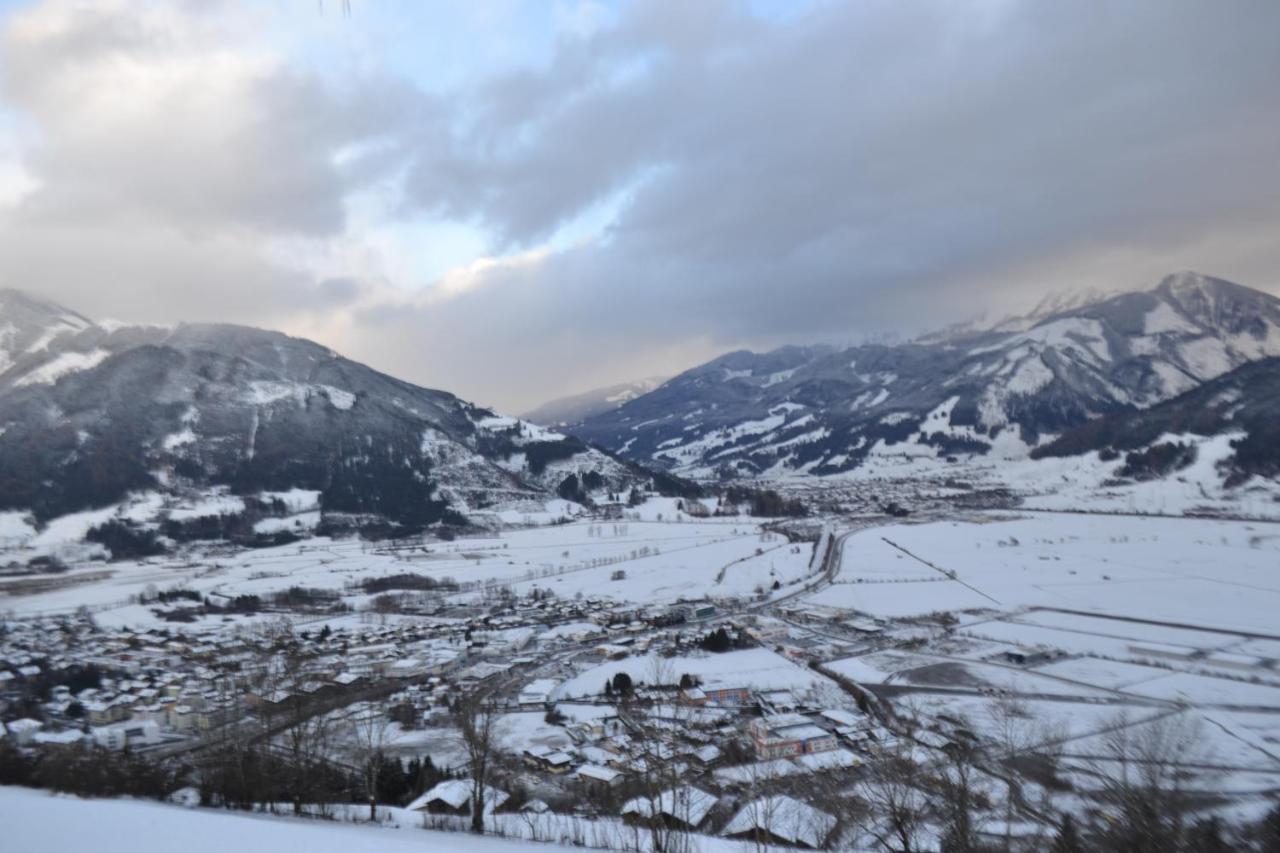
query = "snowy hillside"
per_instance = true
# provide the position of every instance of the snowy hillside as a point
(90, 415)
(1001, 391)
(579, 407)
(30, 332)
(1242, 406)
(37, 820)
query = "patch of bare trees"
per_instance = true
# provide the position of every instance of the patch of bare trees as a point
(476, 720)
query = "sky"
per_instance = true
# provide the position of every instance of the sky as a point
(515, 200)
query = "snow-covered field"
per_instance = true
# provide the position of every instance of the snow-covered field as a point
(37, 820)
(660, 562)
(1217, 574)
(1084, 623)
(758, 668)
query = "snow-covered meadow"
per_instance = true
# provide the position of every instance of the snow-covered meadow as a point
(646, 562)
(1209, 573)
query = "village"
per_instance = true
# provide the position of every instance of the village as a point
(166, 692)
(491, 682)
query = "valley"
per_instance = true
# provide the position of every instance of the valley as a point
(1035, 638)
(239, 570)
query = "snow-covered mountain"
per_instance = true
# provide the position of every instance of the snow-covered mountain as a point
(1243, 406)
(576, 408)
(31, 329)
(1001, 390)
(90, 414)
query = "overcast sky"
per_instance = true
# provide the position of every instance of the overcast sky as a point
(518, 200)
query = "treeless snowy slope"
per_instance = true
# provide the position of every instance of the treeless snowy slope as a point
(36, 820)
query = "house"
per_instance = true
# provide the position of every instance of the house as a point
(453, 796)
(537, 693)
(597, 777)
(734, 695)
(787, 735)
(778, 701)
(558, 762)
(129, 735)
(57, 740)
(22, 731)
(683, 808)
(781, 820)
(1027, 657)
(843, 719)
(706, 755)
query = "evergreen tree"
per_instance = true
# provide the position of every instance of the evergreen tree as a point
(622, 683)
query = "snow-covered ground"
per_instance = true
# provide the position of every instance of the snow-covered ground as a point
(1215, 574)
(37, 820)
(660, 562)
(757, 668)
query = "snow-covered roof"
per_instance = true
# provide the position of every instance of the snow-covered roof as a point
(26, 724)
(785, 818)
(842, 717)
(600, 774)
(68, 736)
(686, 803)
(456, 793)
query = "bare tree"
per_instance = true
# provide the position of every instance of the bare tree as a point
(957, 790)
(654, 725)
(1012, 725)
(475, 719)
(1143, 773)
(369, 735)
(898, 807)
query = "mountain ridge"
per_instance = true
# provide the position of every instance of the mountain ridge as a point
(577, 407)
(95, 414)
(824, 410)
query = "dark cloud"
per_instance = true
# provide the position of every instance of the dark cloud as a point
(858, 168)
(792, 178)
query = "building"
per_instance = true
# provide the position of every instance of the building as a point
(684, 808)
(130, 735)
(781, 820)
(537, 694)
(787, 735)
(732, 695)
(597, 777)
(22, 731)
(453, 796)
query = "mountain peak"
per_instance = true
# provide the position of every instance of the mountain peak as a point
(1189, 281)
(29, 325)
(1188, 286)
(20, 305)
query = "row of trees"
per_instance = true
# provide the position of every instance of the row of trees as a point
(1140, 792)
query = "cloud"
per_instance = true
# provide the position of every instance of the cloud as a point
(170, 151)
(740, 179)
(870, 165)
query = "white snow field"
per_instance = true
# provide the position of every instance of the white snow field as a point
(1207, 573)
(661, 561)
(758, 668)
(37, 820)
(1080, 621)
